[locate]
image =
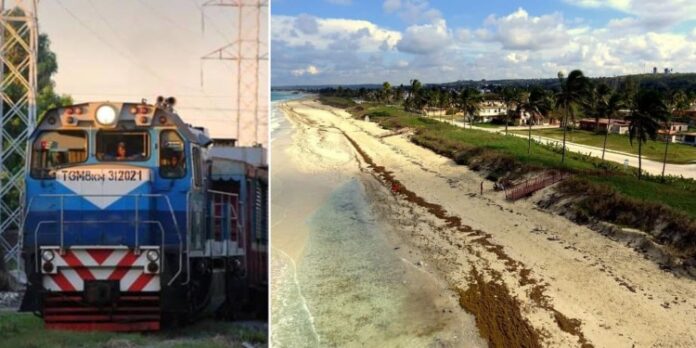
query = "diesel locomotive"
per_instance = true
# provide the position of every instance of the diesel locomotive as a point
(133, 218)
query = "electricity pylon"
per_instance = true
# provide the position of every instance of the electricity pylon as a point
(249, 52)
(19, 35)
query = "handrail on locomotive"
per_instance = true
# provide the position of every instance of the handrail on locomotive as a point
(136, 222)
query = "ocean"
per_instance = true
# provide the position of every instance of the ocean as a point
(278, 121)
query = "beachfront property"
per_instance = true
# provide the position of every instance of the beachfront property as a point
(604, 125)
(491, 110)
(688, 138)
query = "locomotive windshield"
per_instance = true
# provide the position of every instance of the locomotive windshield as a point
(123, 146)
(57, 149)
(172, 155)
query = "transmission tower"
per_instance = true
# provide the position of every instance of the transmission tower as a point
(249, 53)
(18, 72)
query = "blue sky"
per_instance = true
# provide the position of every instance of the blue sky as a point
(354, 41)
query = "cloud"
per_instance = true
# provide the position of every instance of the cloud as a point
(650, 14)
(519, 31)
(306, 24)
(425, 39)
(335, 33)
(310, 69)
(412, 11)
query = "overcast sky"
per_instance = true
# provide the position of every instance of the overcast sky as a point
(125, 50)
(370, 41)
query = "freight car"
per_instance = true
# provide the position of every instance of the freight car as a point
(129, 223)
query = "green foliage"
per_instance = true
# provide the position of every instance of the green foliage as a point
(339, 102)
(26, 330)
(506, 157)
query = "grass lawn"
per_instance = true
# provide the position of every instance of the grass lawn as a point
(653, 150)
(489, 125)
(679, 195)
(19, 330)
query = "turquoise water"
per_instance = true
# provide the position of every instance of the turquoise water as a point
(278, 121)
(352, 289)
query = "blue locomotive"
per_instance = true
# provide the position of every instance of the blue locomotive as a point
(130, 221)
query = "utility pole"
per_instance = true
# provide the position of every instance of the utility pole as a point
(19, 36)
(249, 51)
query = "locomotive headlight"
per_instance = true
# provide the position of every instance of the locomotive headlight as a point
(47, 255)
(152, 255)
(106, 115)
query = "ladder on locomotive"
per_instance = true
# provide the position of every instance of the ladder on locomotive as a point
(227, 223)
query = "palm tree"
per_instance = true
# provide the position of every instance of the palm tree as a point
(538, 104)
(413, 97)
(610, 107)
(468, 101)
(573, 91)
(677, 100)
(386, 92)
(511, 98)
(648, 108)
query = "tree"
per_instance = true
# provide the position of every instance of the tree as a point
(399, 95)
(468, 101)
(386, 92)
(573, 91)
(648, 108)
(538, 104)
(414, 99)
(511, 98)
(677, 100)
(610, 107)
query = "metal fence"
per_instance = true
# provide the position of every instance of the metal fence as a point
(532, 185)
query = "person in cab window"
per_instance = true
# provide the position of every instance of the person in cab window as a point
(175, 169)
(121, 153)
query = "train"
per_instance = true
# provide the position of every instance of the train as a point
(135, 220)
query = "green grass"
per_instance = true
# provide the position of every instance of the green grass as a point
(489, 125)
(338, 102)
(20, 330)
(455, 142)
(653, 150)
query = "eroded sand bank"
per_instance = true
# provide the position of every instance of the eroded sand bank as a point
(571, 285)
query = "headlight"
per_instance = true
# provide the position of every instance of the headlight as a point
(152, 255)
(106, 115)
(47, 255)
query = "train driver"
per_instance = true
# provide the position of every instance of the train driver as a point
(121, 153)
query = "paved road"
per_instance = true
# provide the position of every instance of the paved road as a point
(652, 167)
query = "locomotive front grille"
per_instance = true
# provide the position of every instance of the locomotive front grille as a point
(128, 312)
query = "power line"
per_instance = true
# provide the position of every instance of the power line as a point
(165, 18)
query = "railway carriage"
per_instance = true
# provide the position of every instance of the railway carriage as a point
(123, 229)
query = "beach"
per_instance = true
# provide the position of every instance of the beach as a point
(337, 278)
(560, 283)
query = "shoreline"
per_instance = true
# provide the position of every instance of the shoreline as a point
(580, 272)
(435, 305)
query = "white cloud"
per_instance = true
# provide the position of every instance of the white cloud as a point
(651, 14)
(310, 69)
(412, 11)
(352, 34)
(519, 31)
(426, 38)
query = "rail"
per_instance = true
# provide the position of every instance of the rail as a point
(61, 221)
(529, 186)
(231, 202)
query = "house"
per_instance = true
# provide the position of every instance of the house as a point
(673, 132)
(490, 110)
(688, 138)
(615, 127)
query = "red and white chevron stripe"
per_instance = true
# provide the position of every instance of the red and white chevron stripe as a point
(79, 264)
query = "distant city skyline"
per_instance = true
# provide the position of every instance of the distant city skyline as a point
(361, 42)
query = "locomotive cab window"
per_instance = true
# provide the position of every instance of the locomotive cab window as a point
(172, 155)
(57, 149)
(123, 146)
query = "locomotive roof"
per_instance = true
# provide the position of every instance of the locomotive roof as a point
(144, 115)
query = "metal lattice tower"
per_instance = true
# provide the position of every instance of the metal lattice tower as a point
(249, 52)
(18, 80)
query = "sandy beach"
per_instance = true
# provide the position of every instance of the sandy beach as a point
(562, 284)
(337, 281)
